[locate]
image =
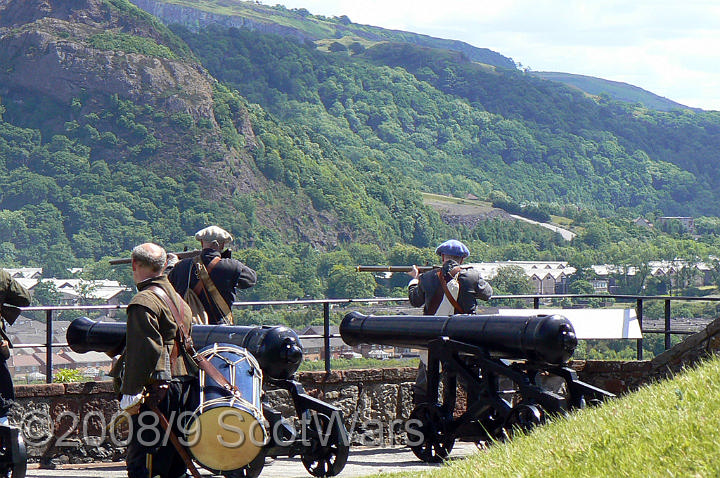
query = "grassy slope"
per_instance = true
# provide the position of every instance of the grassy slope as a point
(320, 27)
(668, 429)
(614, 89)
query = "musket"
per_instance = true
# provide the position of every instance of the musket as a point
(393, 268)
(180, 255)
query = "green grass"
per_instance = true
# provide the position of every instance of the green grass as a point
(360, 363)
(560, 220)
(669, 429)
(130, 44)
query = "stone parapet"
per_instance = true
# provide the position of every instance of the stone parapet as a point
(65, 423)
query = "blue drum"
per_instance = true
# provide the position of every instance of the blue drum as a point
(228, 430)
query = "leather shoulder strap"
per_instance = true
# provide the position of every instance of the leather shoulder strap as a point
(182, 332)
(202, 362)
(205, 283)
(449, 296)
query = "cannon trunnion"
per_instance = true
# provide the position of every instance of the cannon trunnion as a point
(512, 370)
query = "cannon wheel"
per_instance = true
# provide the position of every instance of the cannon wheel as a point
(524, 417)
(327, 450)
(252, 470)
(12, 455)
(436, 443)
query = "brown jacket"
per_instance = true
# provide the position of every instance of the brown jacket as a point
(11, 292)
(151, 334)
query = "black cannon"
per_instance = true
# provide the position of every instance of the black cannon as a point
(511, 368)
(276, 348)
(318, 435)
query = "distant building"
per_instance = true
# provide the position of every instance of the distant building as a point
(25, 272)
(547, 277)
(700, 273)
(600, 286)
(641, 221)
(25, 364)
(76, 291)
(314, 346)
(688, 223)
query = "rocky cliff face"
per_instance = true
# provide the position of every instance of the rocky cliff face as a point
(113, 77)
(194, 18)
(51, 53)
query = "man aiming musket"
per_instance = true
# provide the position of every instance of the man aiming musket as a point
(448, 290)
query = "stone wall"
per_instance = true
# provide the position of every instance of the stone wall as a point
(620, 377)
(68, 422)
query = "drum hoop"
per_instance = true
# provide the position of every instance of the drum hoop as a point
(231, 401)
(209, 352)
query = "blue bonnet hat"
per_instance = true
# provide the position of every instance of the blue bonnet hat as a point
(453, 247)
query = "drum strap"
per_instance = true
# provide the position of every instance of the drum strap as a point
(186, 340)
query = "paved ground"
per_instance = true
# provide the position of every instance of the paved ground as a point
(363, 461)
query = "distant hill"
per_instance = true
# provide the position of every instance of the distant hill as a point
(614, 89)
(299, 135)
(301, 24)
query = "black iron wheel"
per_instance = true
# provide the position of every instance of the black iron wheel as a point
(251, 470)
(524, 417)
(13, 454)
(326, 444)
(428, 438)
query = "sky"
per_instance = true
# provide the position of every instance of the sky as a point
(668, 47)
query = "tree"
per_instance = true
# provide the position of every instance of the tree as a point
(356, 47)
(581, 287)
(337, 47)
(86, 292)
(511, 280)
(345, 282)
(45, 293)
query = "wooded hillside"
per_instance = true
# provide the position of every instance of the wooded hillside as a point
(116, 129)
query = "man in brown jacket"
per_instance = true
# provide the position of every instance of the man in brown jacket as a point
(153, 369)
(12, 293)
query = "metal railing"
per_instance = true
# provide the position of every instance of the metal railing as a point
(536, 299)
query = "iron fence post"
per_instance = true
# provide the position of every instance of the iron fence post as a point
(639, 312)
(668, 336)
(326, 334)
(48, 346)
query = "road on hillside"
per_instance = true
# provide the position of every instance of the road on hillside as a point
(567, 235)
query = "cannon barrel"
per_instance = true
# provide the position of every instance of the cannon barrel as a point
(544, 338)
(276, 348)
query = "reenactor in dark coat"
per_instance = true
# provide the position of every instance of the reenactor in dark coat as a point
(225, 273)
(154, 368)
(450, 290)
(14, 294)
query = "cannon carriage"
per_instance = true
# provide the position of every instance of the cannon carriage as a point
(13, 454)
(249, 357)
(513, 370)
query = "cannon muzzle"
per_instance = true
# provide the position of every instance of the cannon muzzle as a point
(543, 338)
(276, 348)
